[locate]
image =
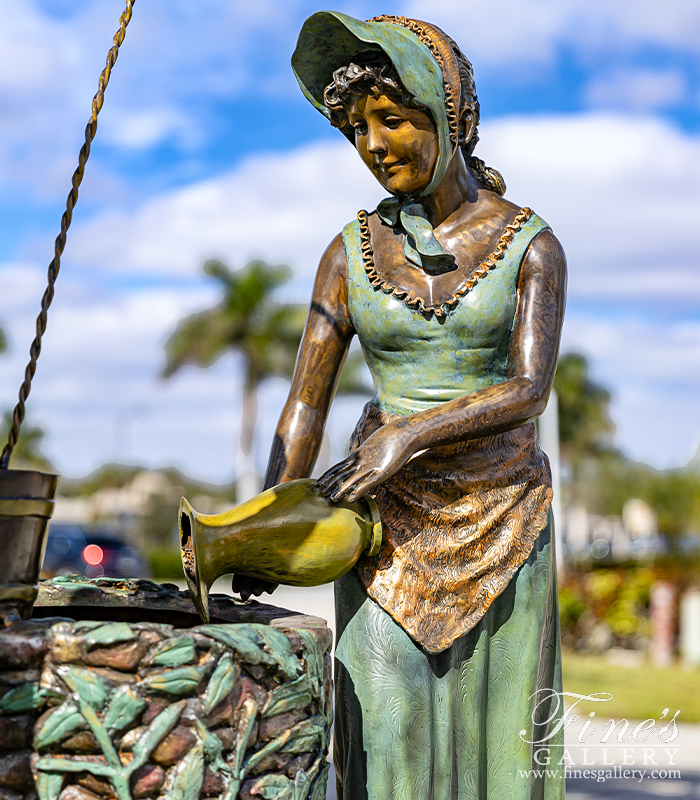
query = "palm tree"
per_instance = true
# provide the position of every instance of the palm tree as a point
(264, 331)
(585, 426)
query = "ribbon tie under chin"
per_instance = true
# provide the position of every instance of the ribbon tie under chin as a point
(420, 246)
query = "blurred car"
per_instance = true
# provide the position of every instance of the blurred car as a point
(64, 550)
(93, 552)
(107, 554)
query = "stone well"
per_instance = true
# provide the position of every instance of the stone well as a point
(114, 690)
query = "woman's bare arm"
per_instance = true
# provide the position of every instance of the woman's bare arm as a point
(532, 359)
(320, 360)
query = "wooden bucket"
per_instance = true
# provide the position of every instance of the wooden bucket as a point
(26, 505)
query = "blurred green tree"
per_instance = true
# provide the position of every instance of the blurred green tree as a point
(251, 321)
(675, 497)
(27, 453)
(585, 426)
(603, 478)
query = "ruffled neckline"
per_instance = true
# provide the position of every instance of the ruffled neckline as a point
(417, 303)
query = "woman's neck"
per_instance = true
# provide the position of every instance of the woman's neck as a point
(456, 188)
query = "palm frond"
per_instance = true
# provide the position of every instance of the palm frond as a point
(247, 318)
(199, 339)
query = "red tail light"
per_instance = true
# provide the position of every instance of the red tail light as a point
(93, 555)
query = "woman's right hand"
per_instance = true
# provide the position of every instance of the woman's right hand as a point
(379, 457)
(245, 586)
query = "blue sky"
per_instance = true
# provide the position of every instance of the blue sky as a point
(206, 147)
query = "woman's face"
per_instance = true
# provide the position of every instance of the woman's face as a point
(397, 143)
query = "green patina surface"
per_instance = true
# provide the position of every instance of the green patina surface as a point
(411, 724)
(447, 726)
(210, 711)
(417, 362)
(174, 652)
(108, 711)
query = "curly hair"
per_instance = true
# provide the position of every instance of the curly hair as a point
(373, 72)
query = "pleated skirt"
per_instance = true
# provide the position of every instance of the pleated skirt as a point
(473, 722)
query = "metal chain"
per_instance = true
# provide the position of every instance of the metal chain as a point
(55, 265)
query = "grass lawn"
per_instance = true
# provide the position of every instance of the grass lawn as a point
(638, 692)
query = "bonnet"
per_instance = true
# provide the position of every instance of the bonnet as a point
(426, 63)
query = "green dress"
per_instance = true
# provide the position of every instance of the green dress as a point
(430, 704)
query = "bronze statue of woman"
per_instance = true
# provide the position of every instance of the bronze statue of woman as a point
(447, 656)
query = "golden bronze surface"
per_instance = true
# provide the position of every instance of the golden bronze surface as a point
(397, 144)
(471, 221)
(449, 631)
(26, 507)
(533, 348)
(457, 521)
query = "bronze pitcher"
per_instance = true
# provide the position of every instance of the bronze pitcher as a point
(288, 534)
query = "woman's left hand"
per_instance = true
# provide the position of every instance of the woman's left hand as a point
(375, 460)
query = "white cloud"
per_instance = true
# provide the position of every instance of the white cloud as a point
(48, 75)
(178, 63)
(285, 208)
(97, 391)
(142, 129)
(654, 368)
(23, 283)
(612, 187)
(637, 90)
(511, 32)
(503, 32)
(622, 194)
(181, 60)
(672, 23)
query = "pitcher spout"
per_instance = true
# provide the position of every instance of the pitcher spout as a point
(199, 591)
